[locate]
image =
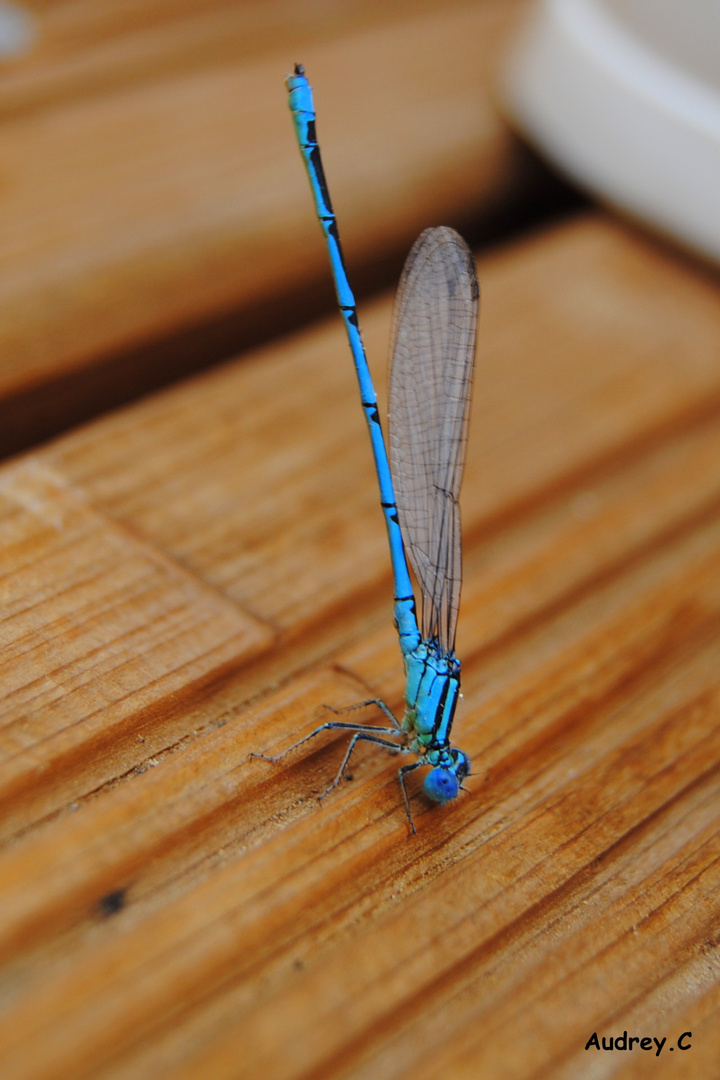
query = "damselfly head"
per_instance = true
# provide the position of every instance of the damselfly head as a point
(442, 784)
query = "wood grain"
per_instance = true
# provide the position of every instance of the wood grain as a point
(100, 632)
(174, 908)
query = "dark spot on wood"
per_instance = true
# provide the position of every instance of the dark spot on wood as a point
(112, 902)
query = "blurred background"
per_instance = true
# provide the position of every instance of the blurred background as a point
(153, 214)
(154, 217)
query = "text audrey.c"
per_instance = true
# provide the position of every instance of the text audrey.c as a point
(644, 1042)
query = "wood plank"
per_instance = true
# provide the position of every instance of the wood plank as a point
(177, 225)
(604, 768)
(100, 635)
(160, 826)
(87, 48)
(563, 549)
(562, 389)
(206, 912)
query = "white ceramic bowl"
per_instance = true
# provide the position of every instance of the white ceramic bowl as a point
(624, 95)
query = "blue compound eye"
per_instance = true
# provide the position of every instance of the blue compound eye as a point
(440, 785)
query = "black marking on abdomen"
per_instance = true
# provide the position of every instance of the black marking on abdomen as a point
(320, 176)
(333, 231)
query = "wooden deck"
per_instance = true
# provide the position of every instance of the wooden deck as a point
(199, 568)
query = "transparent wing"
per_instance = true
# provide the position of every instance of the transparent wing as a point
(432, 359)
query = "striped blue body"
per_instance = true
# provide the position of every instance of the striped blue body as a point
(439, 276)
